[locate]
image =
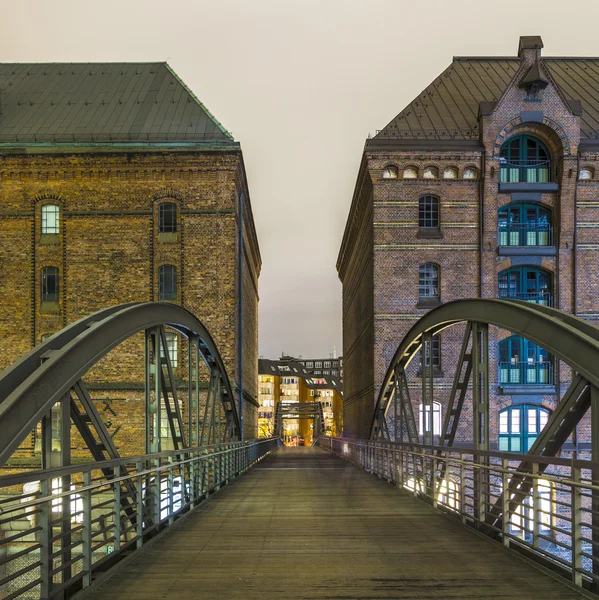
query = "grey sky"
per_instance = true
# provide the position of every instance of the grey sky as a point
(301, 84)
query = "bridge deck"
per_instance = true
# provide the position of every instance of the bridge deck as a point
(305, 524)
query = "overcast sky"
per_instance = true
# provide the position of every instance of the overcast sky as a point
(301, 84)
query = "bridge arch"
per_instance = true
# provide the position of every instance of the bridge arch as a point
(43, 377)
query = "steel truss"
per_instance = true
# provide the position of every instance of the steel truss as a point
(568, 338)
(300, 410)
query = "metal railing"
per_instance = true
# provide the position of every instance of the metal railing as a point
(60, 528)
(525, 235)
(543, 298)
(525, 171)
(550, 514)
(526, 373)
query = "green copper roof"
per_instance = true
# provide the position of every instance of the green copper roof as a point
(102, 102)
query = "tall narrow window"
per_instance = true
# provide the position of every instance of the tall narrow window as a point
(426, 424)
(428, 212)
(428, 281)
(50, 284)
(167, 282)
(435, 350)
(50, 219)
(167, 217)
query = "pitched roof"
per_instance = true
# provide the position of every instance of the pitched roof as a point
(448, 108)
(293, 368)
(102, 102)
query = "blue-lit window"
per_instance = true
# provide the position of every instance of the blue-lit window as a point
(520, 425)
(526, 283)
(525, 159)
(523, 224)
(522, 362)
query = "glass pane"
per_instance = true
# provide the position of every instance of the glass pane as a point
(532, 421)
(515, 412)
(543, 418)
(503, 422)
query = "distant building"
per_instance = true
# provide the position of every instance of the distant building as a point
(331, 366)
(286, 380)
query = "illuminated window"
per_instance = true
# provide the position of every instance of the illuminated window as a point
(448, 494)
(431, 173)
(523, 520)
(390, 172)
(470, 173)
(520, 425)
(450, 173)
(50, 219)
(410, 173)
(173, 350)
(426, 425)
(585, 174)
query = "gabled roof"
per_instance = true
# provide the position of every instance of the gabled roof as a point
(102, 102)
(293, 368)
(448, 108)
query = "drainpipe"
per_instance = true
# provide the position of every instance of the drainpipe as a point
(575, 240)
(481, 215)
(240, 316)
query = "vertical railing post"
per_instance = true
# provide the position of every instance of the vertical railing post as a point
(505, 496)
(170, 490)
(157, 489)
(576, 527)
(45, 540)
(139, 492)
(117, 509)
(463, 510)
(86, 500)
(536, 507)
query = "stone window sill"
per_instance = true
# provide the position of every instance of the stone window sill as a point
(50, 239)
(526, 251)
(429, 233)
(437, 373)
(515, 390)
(168, 238)
(50, 308)
(507, 188)
(428, 303)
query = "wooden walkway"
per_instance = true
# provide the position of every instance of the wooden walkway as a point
(306, 525)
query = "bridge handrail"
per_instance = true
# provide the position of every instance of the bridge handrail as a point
(108, 516)
(445, 479)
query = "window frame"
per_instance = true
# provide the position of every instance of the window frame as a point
(513, 168)
(522, 439)
(163, 226)
(429, 278)
(515, 227)
(164, 277)
(55, 211)
(46, 276)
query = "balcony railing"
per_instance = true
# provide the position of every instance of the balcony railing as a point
(543, 298)
(525, 171)
(526, 373)
(525, 235)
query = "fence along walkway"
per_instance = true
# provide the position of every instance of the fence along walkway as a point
(306, 524)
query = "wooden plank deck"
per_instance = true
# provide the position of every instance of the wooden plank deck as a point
(306, 525)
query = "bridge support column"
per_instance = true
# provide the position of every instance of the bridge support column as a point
(595, 493)
(480, 415)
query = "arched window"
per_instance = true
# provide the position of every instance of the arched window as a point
(526, 159)
(428, 281)
(526, 283)
(431, 173)
(585, 173)
(410, 173)
(50, 219)
(429, 423)
(522, 362)
(520, 425)
(50, 284)
(428, 212)
(167, 217)
(523, 224)
(390, 172)
(470, 173)
(450, 173)
(167, 282)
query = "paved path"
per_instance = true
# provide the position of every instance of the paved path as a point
(306, 525)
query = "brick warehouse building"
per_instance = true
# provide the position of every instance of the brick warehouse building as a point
(484, 186)
(118, 185)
